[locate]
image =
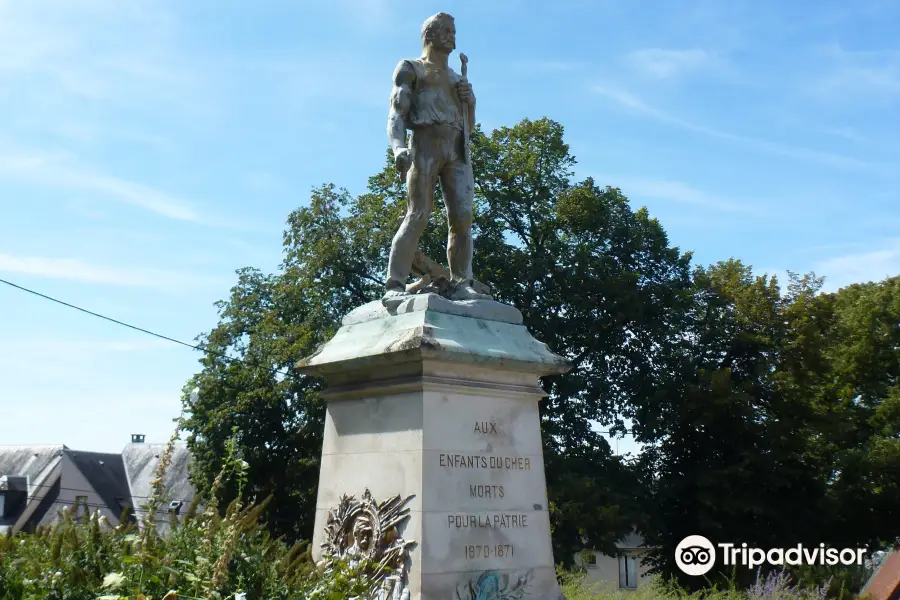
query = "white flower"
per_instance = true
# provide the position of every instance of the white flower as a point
(113, 580)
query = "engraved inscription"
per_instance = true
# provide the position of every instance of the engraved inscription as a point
(490, 551)
(500, 520)
(475, 461)
(488, 427)
(474, 526)
(486, 491)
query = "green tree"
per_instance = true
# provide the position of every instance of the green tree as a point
(780, 425)
(594, 279)
(855, 397)
(729, 448)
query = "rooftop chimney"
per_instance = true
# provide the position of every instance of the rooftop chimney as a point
(137, 438)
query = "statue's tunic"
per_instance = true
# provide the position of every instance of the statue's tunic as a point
(434, 98)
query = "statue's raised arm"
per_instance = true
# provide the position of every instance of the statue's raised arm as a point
(438, 106)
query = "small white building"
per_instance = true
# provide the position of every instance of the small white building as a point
(624, 572)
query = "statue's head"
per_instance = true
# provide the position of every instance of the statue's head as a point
(439, 31)
(362, 533)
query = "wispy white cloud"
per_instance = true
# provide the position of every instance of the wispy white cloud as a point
(683, 193)
(869, 77)
(847, 133)
(96, 134)
(66, 60)
(634, 103)
(869, 83)
(670, 63)
(55, 37)
(83, 349)
(55, 171)
(630, 101)
(549, 66)
(74, 269)
(831, 247)
(874, 264)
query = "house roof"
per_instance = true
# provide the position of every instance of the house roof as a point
(885, 583)
(141, 461)
(34, 462)
(116, 478)
(46, 509)
(106, 474)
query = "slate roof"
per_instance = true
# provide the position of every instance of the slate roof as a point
(118, 479)
(106, 474)
(34, 462)
(141, 461)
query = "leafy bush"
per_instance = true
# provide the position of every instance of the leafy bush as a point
(206, 555)
(232, 556)
(776, 585)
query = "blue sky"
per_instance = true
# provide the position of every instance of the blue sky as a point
(149, 149)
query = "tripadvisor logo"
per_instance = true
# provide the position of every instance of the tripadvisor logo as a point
(696, 555)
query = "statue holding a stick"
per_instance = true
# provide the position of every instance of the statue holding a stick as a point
(438, 106)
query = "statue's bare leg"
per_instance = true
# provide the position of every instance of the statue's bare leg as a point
(458, 187)
(420, 183)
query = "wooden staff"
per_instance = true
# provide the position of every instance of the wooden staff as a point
(464, 71)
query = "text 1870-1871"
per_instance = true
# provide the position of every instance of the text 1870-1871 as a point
(490, 551)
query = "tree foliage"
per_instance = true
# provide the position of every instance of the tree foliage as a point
(781, 427)
(594, 279)
(770, 415)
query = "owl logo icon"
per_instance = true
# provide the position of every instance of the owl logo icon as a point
(695, 555)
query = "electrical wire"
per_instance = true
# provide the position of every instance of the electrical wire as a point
(133, 509)
(161, 336)
(201, 348)
(68, 489)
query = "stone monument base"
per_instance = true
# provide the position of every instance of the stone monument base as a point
(432, 452)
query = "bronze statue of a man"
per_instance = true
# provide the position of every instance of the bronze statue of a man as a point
(438, 106)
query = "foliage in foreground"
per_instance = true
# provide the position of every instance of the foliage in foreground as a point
(212, 555)
(771, 586)
(207, 555)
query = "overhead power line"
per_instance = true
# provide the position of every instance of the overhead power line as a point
(136, 328)
(159, 335)
(136, 510)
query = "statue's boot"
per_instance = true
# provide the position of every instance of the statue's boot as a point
(394, 297)
(465, 291)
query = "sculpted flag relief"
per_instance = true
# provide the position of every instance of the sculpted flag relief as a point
(438, 106)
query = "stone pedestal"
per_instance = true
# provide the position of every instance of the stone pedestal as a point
(433, 410)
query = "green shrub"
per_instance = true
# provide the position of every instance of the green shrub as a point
(776, 585)
(231, 556)
(206, 555)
